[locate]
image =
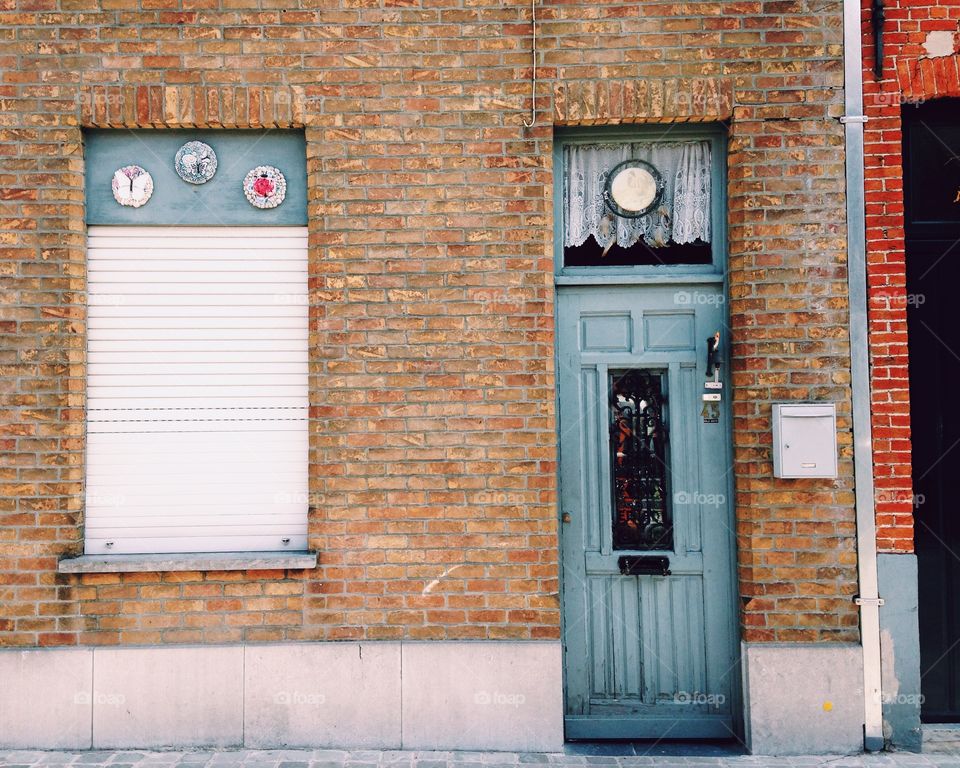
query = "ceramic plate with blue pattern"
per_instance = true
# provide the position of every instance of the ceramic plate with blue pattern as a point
(196, 162)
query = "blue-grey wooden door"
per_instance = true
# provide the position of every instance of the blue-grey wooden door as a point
(646, 656)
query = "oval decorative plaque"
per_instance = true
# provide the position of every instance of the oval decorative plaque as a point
(633, 189)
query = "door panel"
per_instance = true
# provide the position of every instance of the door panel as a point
(649, 655)
(931, 136)
(934, 369)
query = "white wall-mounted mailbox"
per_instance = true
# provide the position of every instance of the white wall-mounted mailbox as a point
(804, 440)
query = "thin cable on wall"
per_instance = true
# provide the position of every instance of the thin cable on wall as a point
(533, 103)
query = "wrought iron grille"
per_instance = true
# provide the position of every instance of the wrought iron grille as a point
(639, 469)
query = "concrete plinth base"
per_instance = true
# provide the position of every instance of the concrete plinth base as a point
(438, 695)
(802, 699)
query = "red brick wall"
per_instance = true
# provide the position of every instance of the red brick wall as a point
(908, 76)
(433, 453)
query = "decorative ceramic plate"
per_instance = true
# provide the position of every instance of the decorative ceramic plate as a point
(196, 162)
(634, 188)
(265, 187)
(132, 186)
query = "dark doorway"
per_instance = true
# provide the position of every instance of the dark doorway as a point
(931, 154)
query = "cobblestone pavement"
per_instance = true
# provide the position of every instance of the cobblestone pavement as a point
(627, 757)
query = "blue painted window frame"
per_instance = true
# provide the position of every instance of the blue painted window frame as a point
(175, 202)
(715, 133)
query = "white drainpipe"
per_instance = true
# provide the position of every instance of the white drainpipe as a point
(868, 599)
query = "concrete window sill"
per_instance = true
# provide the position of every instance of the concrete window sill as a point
(199, 561)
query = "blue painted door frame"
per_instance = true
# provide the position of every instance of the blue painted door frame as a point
(646, 656)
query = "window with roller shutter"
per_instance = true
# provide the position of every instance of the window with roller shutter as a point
(197, 400)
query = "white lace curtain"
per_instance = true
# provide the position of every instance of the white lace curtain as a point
(682, 216)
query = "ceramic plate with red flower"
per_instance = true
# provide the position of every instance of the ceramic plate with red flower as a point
(265, 187)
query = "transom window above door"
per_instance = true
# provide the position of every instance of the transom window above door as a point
(633, 202)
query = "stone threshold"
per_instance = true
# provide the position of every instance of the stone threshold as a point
(942, 738)
(192, 561)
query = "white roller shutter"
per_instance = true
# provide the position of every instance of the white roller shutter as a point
(196, 389)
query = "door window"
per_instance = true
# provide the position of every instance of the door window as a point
(639, 461)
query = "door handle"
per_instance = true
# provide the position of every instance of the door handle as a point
(565, 517)
(713, 354)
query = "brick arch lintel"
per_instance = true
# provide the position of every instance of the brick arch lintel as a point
(625, 101)
(194, 106)
(925, 79)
